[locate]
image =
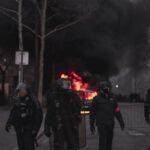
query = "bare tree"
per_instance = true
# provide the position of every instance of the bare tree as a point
(55, 15)
(41, 64)
(20, 35)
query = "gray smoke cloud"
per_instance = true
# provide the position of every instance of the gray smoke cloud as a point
(115, 36)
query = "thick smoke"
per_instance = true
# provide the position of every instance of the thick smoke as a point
(115, 36)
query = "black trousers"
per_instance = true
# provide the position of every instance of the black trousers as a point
(66, 139)
(25, 140)
(105, 136)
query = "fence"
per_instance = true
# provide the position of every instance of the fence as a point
(133, 115)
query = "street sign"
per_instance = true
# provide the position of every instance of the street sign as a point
(22, 55)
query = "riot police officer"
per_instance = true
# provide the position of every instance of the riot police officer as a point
(103, 109)
(26, 117)
(63, 116)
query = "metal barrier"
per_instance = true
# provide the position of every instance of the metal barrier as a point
(133, 115)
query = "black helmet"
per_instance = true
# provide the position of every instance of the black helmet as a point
(22, 86)
(105, 88)
(63, 83)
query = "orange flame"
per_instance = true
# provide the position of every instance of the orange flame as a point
(79, 85)
(63, 76)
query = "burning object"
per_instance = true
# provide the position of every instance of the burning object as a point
(82, 89)
(78, 85)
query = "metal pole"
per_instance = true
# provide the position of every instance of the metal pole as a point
(20, 39)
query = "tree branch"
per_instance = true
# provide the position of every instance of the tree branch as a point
(9, 10)
(38, 8)
(64, 26)
(61, 27)
(51, 17)
(16, 20)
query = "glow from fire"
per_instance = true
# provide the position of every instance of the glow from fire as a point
(79, 85)
(64, 76)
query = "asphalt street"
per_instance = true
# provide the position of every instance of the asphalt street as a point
(136, 135)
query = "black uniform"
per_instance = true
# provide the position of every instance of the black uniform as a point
(63, 116)
(103, 110)
(26, 117)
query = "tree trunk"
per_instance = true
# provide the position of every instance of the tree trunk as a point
(37, 56)
(3, 70)
(3, 84)
(2, 91)
(53, 65)
(20, 37)
(42, 50)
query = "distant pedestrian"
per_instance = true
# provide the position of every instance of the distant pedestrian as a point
(26, 117)
(63, 116)
(104, 109)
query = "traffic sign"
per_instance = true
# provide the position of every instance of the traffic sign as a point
(22, 57)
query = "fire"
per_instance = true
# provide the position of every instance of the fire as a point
(64, 76)
(77, 84)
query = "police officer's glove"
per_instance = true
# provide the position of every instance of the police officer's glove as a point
(7, 127)
(47, 132)
(92, 128)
